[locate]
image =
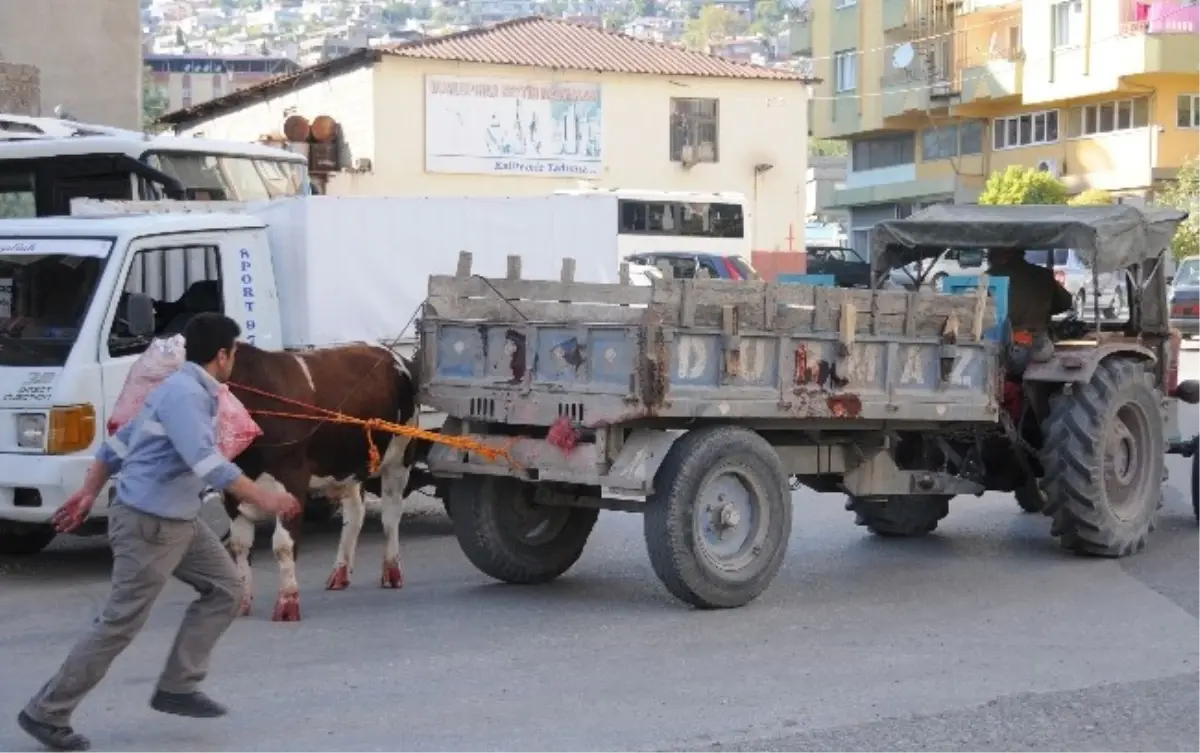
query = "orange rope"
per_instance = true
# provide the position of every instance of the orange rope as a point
(377, 424)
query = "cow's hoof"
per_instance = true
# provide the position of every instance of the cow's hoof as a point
(244, 608)
(287, 609)
(392, 576)
(339, 580)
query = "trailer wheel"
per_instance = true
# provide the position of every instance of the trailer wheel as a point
(899, 516)
(1103, 461)
(21, 540)
(718, 523)
(510, 538)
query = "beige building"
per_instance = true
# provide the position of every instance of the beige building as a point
(535, 105)
(88, 56)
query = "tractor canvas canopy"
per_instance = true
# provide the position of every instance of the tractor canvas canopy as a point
(1108, 238)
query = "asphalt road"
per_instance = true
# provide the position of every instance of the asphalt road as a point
(983, 636)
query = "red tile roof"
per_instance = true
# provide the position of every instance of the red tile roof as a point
(550, 43)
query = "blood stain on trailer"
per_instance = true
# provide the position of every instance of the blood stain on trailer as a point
(514, 345)
(844, 406)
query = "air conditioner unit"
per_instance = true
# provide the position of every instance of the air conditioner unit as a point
(1049, 166)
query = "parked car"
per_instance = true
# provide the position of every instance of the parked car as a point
(849, 269)
(1069, 270)
(931, 272)
(1184, 296)
(686, 265)
(1074, 275)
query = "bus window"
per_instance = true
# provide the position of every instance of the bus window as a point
(682, 219)
(282, 178)
(225, 178)
(17, 197)
(243, 179)
(197, 172)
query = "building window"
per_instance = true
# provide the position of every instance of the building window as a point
(1188, 111)
(970, 138)
(845, 65)
(1108, 117)
(1066, 19)
(1029, 129)
(953, 140)
(939, 143)
(888, 151)
(694, 130)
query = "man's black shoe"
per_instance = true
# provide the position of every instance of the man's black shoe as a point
(194, 704)
(53, 737)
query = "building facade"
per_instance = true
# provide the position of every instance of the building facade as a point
(935, 95)
(88, 56)
(188, 80)
(536, 105)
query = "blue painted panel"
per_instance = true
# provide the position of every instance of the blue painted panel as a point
(562, 356)
(759, 362)
(459, 351)
(827, 281)
(613, 356)
(997, 289)
(505, 347)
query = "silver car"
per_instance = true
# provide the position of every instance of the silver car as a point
(1069, 270)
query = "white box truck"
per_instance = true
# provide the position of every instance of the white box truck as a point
(295, 273)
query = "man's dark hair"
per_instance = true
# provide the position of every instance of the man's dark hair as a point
(207, 334)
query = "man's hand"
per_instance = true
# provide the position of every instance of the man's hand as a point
(275, 502)
(74, 511)
(279, 503)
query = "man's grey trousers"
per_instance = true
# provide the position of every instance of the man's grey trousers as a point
(147, 551)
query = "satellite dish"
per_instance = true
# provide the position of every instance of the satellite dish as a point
(903, 56)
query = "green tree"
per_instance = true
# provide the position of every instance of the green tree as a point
(713, 23)
(768, 17)
(1093, 197)
(155, 101)
(1023, 185)
(442, 15)
(1184, 194)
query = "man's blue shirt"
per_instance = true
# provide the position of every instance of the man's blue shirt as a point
(167, 455)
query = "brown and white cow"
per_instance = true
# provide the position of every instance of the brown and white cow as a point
(362, 381)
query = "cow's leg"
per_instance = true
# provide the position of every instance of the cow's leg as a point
(294, 478)
(394, 476)
(353, 512)
(241, 541)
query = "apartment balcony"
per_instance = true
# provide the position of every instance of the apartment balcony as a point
(895, 14)
(967, 7)
(991, 76)
(914, 90)
(1157, 36)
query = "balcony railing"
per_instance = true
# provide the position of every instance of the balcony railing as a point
(1159, 17)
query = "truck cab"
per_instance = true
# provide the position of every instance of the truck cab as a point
(87, 296)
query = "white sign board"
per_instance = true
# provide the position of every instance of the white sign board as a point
(503, 126)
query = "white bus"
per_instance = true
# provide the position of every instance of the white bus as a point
(46, 162)
(682, 225)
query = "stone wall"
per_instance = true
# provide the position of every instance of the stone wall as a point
(20, 89)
